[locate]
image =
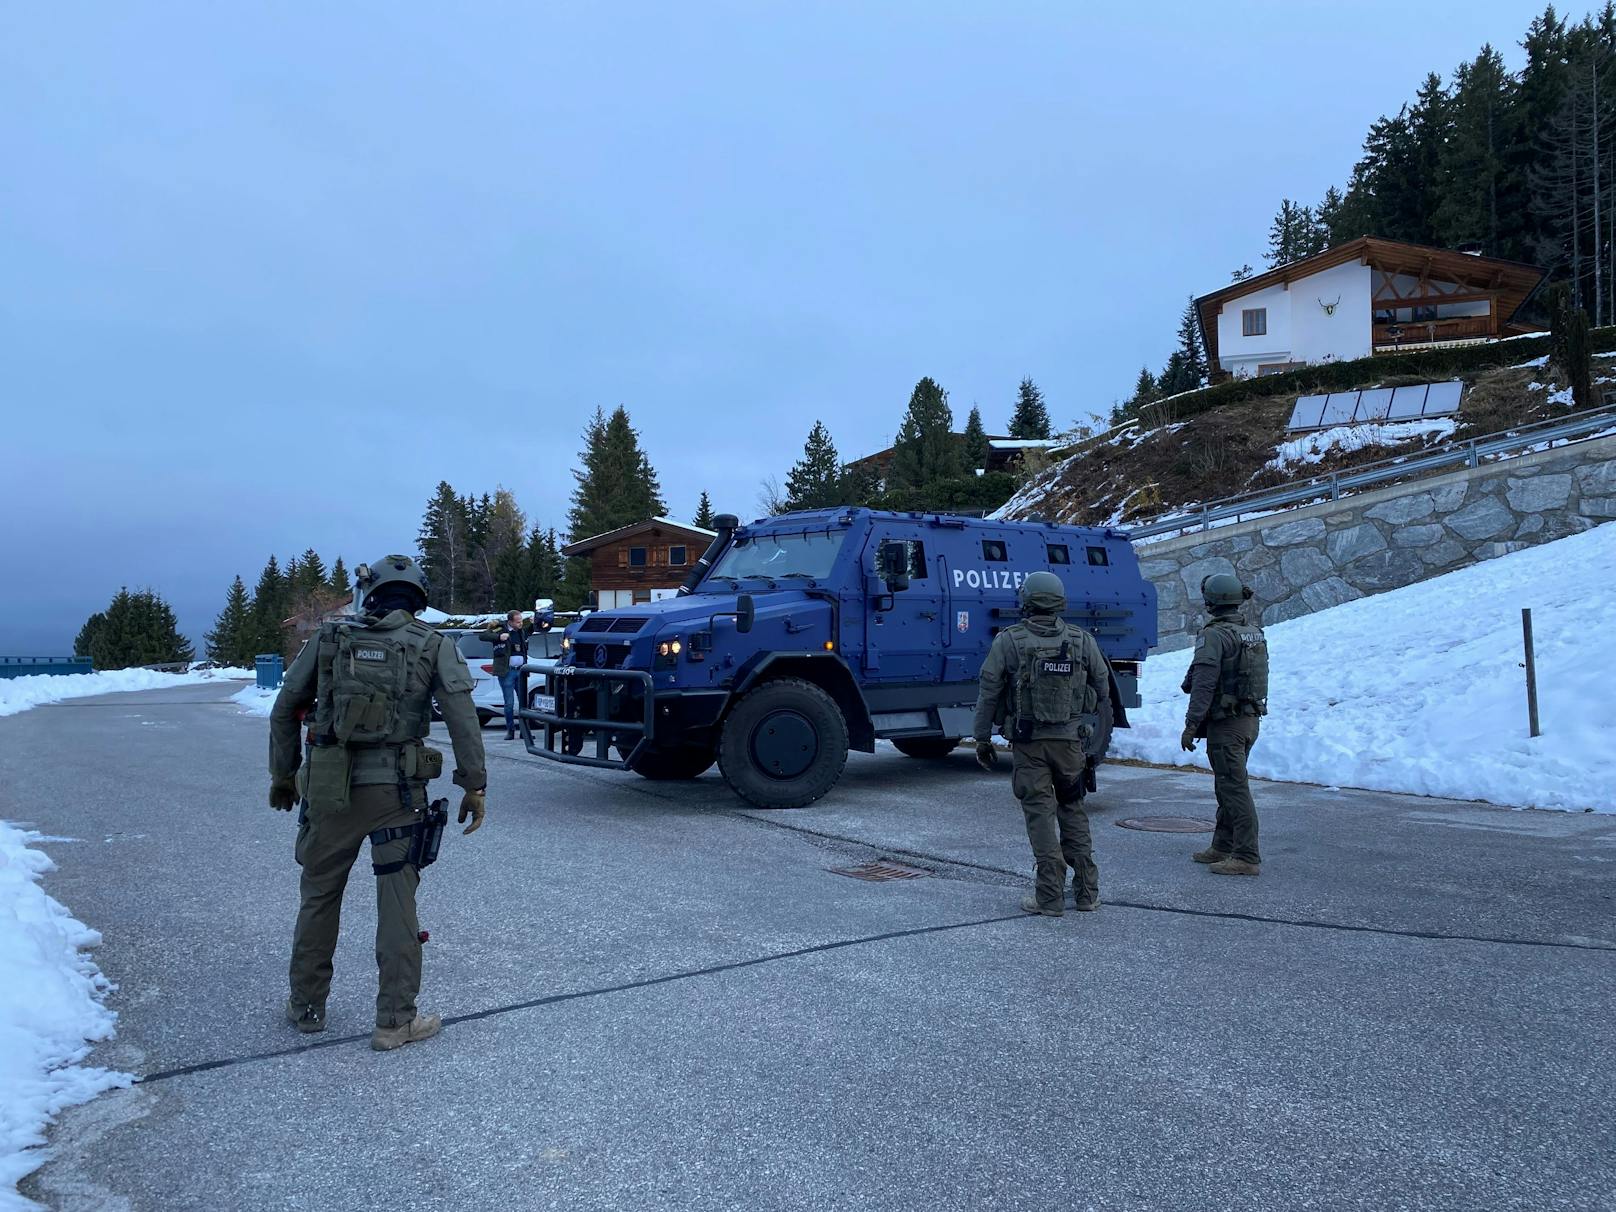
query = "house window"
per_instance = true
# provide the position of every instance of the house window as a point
(636, 557)
(1059, 553)
(677, 557)
(641, 596)
(1254, 322)
(993, 549)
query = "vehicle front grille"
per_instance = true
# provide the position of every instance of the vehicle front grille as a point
(618, 624)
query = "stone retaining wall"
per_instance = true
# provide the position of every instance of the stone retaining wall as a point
(1322, 555)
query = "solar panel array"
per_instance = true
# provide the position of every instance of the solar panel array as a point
(1376, 404)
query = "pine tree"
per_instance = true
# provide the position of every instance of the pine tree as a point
(975, 447)
(815, 482)
(1030, 420)
(309, 579)
(85, 643)
(1144, 392)
(1472, 161)
(1192, 366)
(500, 556)
(338, 582)
(270, 608)
(617, 485)
(230, 641)
(138, 629)
(1292, 235)
(924, 451)
(704, 513)
(1241, 274)
(443, 548)
(1328, 219)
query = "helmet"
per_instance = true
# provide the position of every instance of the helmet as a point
(390, 570)
(1043, 593)
(1223, 589)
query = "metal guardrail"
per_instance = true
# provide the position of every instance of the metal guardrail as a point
(1468, 453)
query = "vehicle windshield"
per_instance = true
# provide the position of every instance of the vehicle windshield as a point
(780, 555)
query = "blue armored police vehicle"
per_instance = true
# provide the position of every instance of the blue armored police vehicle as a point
(799, 637)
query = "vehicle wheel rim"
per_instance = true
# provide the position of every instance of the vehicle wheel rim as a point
(784, 744)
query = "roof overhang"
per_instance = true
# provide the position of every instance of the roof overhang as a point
(680, 529)
(1511, 281)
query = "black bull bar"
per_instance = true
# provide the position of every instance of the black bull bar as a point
(582, 712)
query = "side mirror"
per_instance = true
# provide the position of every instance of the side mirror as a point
(745, 613)
(892, 561)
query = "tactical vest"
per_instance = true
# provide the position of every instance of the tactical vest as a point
(1242, 671)
(373, 684)
(1050, 678)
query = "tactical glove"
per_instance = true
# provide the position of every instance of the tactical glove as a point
(282, 792)
(987, 756)
(472, 805)
(1187, 740)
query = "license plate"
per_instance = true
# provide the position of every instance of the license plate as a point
(544, 703)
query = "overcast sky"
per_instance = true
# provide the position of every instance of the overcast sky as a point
(269, 272)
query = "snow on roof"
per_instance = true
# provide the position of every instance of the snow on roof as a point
(1023, 443)
(595, 540)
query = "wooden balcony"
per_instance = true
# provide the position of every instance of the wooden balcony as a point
(1432, 332)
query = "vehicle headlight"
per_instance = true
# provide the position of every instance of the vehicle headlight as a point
(667, 652)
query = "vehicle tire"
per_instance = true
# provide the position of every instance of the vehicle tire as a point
(659, 765)
(783, 745)
(931, 747)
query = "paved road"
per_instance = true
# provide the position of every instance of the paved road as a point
(660, 1000)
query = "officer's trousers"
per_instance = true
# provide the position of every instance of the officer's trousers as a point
(1228, 744)
(328, 843)
(1047, 777)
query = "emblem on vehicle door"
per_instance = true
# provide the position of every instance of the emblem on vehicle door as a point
(962, 621)
(600, 656)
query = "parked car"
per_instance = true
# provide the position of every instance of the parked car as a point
(543, 648)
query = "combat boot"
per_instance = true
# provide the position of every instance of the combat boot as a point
(1029, 904)
(1085, 902)
(305, 1017)
(1234, 866)
(1209, 855)
(423, 1026)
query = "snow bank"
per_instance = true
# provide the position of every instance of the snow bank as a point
(50, 1011)
(1311, 448)
(255, 701)
(19, 694)
(1421, 689)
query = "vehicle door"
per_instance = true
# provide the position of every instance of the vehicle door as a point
(904, 614)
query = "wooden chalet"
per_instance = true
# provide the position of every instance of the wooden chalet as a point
(642, 562)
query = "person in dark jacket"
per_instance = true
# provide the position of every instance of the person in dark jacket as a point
(510, 654)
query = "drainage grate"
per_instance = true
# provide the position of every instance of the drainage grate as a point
(1167, 824)
(878, 871)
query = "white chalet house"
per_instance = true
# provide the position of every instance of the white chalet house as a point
(1365, 296)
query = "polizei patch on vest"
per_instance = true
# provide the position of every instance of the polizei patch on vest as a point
(1057, 668)
(370, 654)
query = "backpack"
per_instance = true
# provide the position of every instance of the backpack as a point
(363, 675)
(1048, 680)
(1243, 674)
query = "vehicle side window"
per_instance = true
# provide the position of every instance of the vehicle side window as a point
(1098, 557)
(993, 549)
(1059, 553)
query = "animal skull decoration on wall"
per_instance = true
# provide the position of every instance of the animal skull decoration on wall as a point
(1329, 308)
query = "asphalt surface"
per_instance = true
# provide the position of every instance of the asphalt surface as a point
(660, 999)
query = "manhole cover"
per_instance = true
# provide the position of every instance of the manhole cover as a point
(880, 871)
(1167, 824)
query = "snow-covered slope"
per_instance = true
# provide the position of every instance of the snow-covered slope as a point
(50, 1011)
(1422, 689)
(19, 694)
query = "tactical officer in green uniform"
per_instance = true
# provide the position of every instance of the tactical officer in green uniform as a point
(368, 684)
(1228, 687)
(1040, 678)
